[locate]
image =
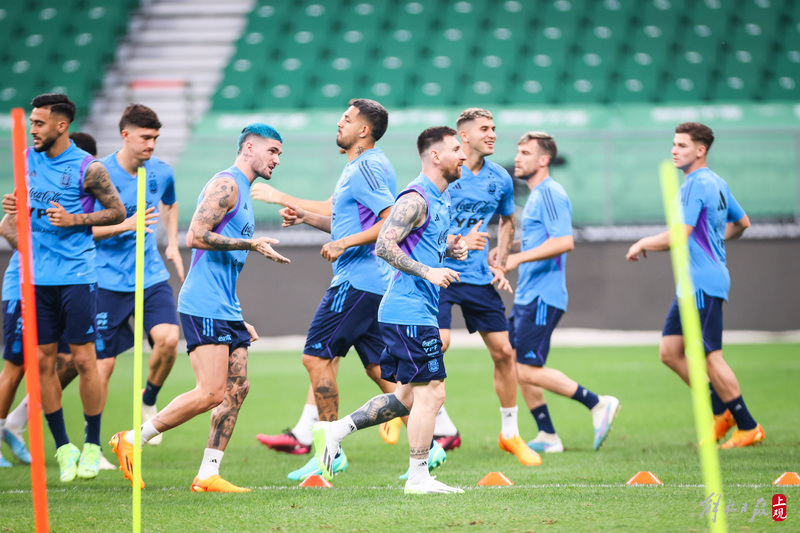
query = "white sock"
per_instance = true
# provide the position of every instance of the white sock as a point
(146, 432)
(19, 416)
(210, 465)
(417, 470)
(444, 427)
(302, 431)
(339, 429)
(508, 416)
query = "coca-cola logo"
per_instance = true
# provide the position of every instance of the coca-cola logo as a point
(44, 196)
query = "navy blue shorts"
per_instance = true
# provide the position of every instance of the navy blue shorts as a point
(529, 330)
(66, 312)
(114, 309)
(200, 331)
(346, 317)
(710, 309)
(481, 305)
(413, 354)
(12, 334)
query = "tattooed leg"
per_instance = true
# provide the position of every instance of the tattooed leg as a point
(378, 410)
(65, 368)
(224, 416)
(323, 381)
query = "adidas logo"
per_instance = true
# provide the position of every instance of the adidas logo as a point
(317, 346)
(436, 219)
(90, 331)
(246, 208)
(352, 426)
(214, 461)
(722, 203)
(425, 463)
(541, 416)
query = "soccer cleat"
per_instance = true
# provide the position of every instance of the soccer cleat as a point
(436, 458)
(325, 451)
(105, 464)
(124, 451)
(390, 431)
(13, 437)
(722, 424)
(67, 456)
(430, 486)
(89, 464)
(744, 437)
(148, 412)
(518, 447)
(215, 484)
(603, 415)
(285, 442)
(546, 443)
(448, 442)
(312, 468)
(4, 463)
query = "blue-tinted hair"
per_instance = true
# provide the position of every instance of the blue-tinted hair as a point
(258, 129)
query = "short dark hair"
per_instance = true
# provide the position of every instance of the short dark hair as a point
(374, 113)
(140, 116)
(58, 103)
(85, 142)
(545, 141)
(433, 135)
(700, 133)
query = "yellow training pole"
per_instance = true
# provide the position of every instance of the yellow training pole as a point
(693, 341)
(138, 334)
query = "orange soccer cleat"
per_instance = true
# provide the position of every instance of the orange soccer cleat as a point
(722, 424)
(744, 437)
(124, 451)
(215, 484)
(518, 447)
(390, 431)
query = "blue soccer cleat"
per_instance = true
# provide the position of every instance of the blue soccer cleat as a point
(17, 444)
(312, 468)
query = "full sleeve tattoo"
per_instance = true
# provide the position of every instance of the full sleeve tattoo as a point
(219, 198)
(409, 212)
(98, 183)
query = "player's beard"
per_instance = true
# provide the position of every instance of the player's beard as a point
(344, 145)
(453, 175)
(45, 146)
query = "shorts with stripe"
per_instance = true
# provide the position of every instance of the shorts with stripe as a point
(200, 331)
(12, 334)
(66, 312)
(710, 310)
(413, 354)
(481, 305)
(346, 318)
(529, 330)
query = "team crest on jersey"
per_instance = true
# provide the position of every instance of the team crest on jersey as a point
(491, 187)
(66, 178)
(153, 184)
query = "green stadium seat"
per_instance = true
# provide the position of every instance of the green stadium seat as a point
(488, 81)
(566, 15)
(700, 40)
(602, 41)
(588, 81)
(740, 76)
(354, 46)
(616, 15)
(784, 83)
(452, 44)
(519, 17)
(663, 14)
(73, 78)
(714, 14)
(752, 39)
(435, 87)
(335, 83)
(538, 81)
(639, 80)
(288, 84)
(653, 41)
(388, 82)
(239, 87)
(687, 81)
(464, 15)
(19, 83)
(553, 44)
(10, 15)
(763, 13)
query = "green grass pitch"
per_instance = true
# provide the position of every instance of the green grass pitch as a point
(579, 490)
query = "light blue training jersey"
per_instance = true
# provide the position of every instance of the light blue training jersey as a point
(708, 205)
(411, 300)
(547, 215)
(475, 198)
(61, 256)
(366, 187)
(11, 286)
(210, 287)
(116, 257)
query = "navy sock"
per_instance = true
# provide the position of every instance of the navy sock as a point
(744, 420)
(586, 397)
(150, 394)
(717, 405)
(56, 422)
(93, 428)
(542, 416)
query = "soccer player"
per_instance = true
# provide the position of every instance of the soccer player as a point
(485, 188)
(711, 216)
(116, 259)
(414, 241)
(217, 338)
(541, 297)
(63, 181)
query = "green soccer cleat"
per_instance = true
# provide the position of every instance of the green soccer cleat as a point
(89, 465)
(312, 468)
(68, 456)
(325, 452)
(436, 458)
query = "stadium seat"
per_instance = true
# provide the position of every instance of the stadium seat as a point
(387, 82)
(687, 81)
(239, 87)
(740, 76)
(716, 15)
(288, 84)
(516, 16)
(538, 81)
(699, 40)
(588, 80)
(640, 80)
(653, 41)
(335, 83)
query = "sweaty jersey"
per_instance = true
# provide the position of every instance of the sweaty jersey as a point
(116, 257)
(475, 198)
(210, 287)
(61, 256)
(708, 205)
(411, 300)
(547, 214)
(11, 286)
(366, 187)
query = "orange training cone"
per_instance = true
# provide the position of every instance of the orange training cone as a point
(787, 478)
(316, 481)
(495, 479)
(644, 478)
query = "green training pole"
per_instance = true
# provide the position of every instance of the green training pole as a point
(138, 335)
(693, 341)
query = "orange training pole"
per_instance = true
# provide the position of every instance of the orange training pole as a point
(30, 341)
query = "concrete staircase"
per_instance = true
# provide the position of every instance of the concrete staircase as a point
(171, 60)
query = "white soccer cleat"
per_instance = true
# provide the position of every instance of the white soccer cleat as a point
(430, 486)
(148, 412)
(546, 443)
(603, 415)
(105, 464)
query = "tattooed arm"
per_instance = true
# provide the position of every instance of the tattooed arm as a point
(408, 213)
(219, 198)
(332, 250)
(97, 182)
